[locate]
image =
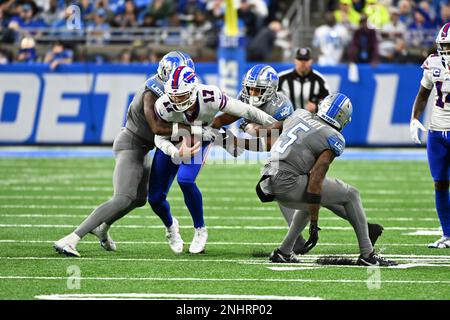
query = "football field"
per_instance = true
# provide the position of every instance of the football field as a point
(43, 199)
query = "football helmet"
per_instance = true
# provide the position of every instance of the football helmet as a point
(443, 43)
(336, 109)
(172, 60)
(182, 88)
(263, 80)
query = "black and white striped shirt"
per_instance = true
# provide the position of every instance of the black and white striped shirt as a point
(301, 89)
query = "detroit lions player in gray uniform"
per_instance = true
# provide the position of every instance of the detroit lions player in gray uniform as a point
(131, 147)
(295, 177)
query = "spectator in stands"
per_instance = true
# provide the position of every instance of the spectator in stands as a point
(27, 19)
(331, 39)
(422, 28)
(58, 55)
(128, 18)
(346, 15)
(443, 16)
(406, 16)
(377, 14)
(51, 15)
(203, 30)
(252, 14)
(186, 9)
(27, 52)
(261, 46)
(86, 10)
(126, 56)
(364, 45)
(98, 31)
(393, 44)
(161, 11)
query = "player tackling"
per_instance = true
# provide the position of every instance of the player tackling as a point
(436, 74)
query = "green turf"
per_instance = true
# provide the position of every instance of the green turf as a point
(38, 194)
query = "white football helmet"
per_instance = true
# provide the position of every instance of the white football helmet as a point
(443, 43)
(262, 78)
(182, 88)
(336, 109)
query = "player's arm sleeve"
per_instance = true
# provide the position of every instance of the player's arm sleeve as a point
(336, 144)
(284, 110)
(426, 81)
(243, 110)
(165, 145)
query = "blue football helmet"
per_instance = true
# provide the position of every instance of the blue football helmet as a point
(171, 61)
(336, 109)
(262, 78)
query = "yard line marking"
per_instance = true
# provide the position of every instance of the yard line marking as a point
(317, 266)
(217, 208)
(218, 243)
(240, 217)
(424, 233)
(5, 277)
(209, 227)
(114, 296)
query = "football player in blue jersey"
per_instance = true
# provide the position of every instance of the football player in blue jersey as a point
(131, 147)
(436, 75)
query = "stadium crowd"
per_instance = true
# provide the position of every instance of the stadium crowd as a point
(363, 31)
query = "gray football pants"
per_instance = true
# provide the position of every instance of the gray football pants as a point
(130, 180)
(339, 197)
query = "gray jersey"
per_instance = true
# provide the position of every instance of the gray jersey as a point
(279, 107)
(136, 121)
(305, 136)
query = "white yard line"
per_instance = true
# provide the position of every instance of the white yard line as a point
(114, 296)
(224, 217)
(215, 243)
(209, 227)
(266, 280)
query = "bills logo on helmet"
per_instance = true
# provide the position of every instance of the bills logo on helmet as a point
(189, 77)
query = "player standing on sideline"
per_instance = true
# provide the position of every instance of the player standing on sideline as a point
(295, 176)
(186, 101)
(436, 74)
(131, 147)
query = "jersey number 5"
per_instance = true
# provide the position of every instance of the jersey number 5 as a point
(292, 137)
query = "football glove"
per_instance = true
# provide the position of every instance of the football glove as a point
(414, 128)
(313, 236)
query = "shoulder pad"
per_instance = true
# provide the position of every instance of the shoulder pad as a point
(156, 86)
(433, 60)
(284, 108)
(337, 144)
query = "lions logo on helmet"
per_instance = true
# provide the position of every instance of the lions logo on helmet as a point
(259, 85)
(181, 88)
(443, 43)
(336, 109)
(172, 60)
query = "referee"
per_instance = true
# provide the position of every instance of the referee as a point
(304, 86)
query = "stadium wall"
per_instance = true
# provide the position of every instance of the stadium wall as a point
(87, 103)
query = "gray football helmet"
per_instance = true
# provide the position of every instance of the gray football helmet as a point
(171, 61)
(263, 79)
(336, 109)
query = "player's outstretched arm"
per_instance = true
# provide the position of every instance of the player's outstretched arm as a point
(419, 107)
(223, 120)
(242, 110)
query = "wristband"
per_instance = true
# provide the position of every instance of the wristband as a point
(312, 198)
(174, 130)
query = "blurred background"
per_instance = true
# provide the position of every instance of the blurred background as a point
(68, 69)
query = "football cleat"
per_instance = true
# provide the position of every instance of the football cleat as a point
(279, 257)
(106, 242)
(374, 260)
(442, 243)
(67, 245)
(174, 238)
(375, 231)
(199, 241)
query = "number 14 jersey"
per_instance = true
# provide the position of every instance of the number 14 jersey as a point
(436, 75)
